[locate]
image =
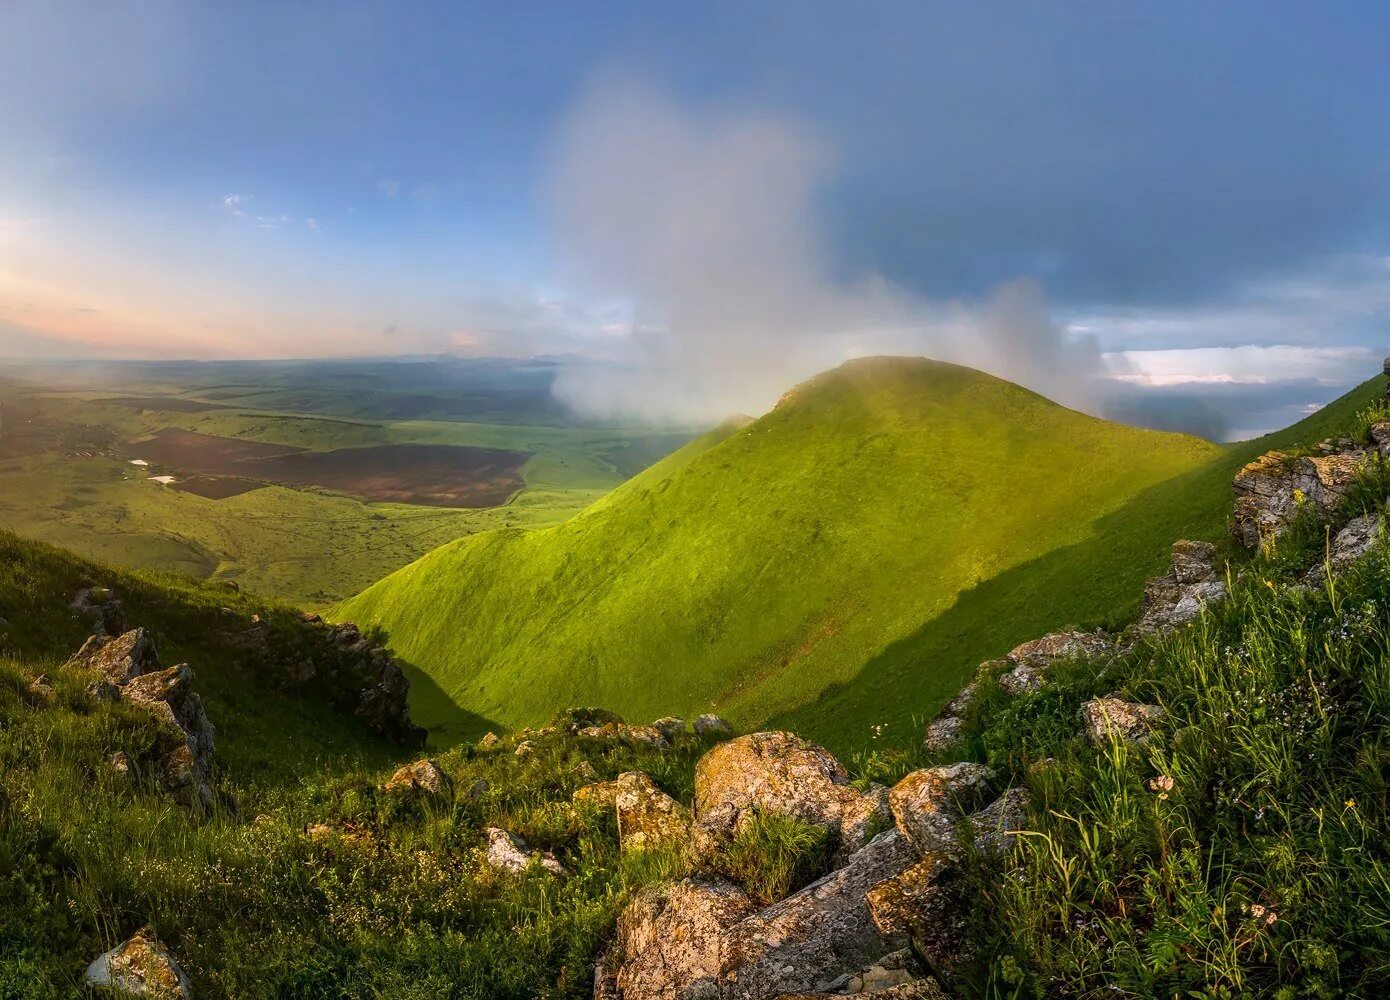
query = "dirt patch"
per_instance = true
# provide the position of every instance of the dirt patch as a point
(217, 488)
(430, 475)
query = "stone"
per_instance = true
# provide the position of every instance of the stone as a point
(423, 778)
(918, 989)
(1022, 679)
(669, 941)
(102, 608)
(489, 741)
(943, 733)
(478, 790)
(782, 773)
(1356, 539)
(927, 805)
(670, 727)
(140, 967)
(1177, 597)
(1380, 437)
(995, 828)
(1272, 490)
(816, 935)
(1061, 646)
(712, 727)
(622, 733)
(647, 816)
(575, 719)
(927, 903)
(169, 696)
(384, 704)
(120, 763)
(118, 659)
(41, 687)
(1108, 719)
(524, 749)
(509, 853)
(600, 793)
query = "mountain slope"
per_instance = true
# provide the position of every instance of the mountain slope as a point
(761, 572)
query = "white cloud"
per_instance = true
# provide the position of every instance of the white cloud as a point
(1246, 364)
(233, 203)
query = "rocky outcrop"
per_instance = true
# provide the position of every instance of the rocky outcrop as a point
(509, 853)
(1177, 597)
(622, 733)
(1271, 491)
(712, 727)
(1356, 539)
(117, 659)
(670, 727)
(139, 967)
(422, 779)
(647, 816)
(102, 608)
(1109, 719)
(928, 804)
(995, 828)
(781, 773)
(946, 729)
(670, 943)
(1031, 659)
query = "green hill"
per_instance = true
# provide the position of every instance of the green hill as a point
(840, 564)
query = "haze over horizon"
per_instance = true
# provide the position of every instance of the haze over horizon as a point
(1130, 211)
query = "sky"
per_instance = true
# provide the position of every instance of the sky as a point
(1178, 206)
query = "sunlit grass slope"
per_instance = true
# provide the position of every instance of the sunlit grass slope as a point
(796, 568)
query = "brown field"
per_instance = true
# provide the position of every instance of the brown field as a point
(215, 488)
(431, 475)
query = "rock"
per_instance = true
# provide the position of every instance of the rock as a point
(489, 741)
(140, 967)
(169, 696)
(103, 691)
(524, 749)
(1356, 539)
(1022, 679)
(1271, 491)
(669, 941)
(120, 763)
(919, 989)
(1380, 437)
(1178, 596)
(41, 687)
(385, 704)
(816, 935)
(508, 852)
(119, 659)
(575, 719)
(1062, 646)
(781, 773)
(600, 793)
(943, 733)
(995, 827)
(478, 790)
(102, 608)
(1109, 719)
(310, 618)
(670, 727)
(926, 902)
(928, 804)
(621, 732)
(422, 777)
(712, 726)
(647, 816)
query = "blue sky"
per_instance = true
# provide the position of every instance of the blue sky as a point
(1183, 194)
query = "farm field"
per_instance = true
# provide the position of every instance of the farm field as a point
(306, 506)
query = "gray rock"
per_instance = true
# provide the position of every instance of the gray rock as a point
(1356, 539)
(509, 853)
(169, 696)
(647, 816)
(422, 778)
(996, 827)
(117, 659)
(140, 967)
(928, 804)
(670, 727)
(712, 726)
(1108, 719)
(1272, 490)
(1062, 646)
(1022, 679)
(1177, 597)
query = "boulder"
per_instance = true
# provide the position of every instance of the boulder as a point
(1273, 489)
(995, 828)
(169, 696)
(489, 741)
(927, 903)
(670, 727)
(943, 733)
(782, 773)
(918, 989)
(1356, 539)
(509, 853)
(712, 727)
(1022, 679)
(927, 805)
(1178, 596)
(384, 704)
(817, 935)
(117, 659)
(140, 967)
(1108, 719)
(423, 778)
(669, 941)
(1061, 646)
(1380, 437)
(647, 816)
(599, 793)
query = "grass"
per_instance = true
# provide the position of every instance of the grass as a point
(838, 566)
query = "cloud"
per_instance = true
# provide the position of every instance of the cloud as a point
(706, 224)
(232, 203)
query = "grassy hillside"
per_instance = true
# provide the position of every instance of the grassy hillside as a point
(839, 565)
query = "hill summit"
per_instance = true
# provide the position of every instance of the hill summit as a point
(860, 548)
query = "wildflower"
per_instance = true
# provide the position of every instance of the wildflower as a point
(1350, 803)
(1162, 784)
(1262, 915)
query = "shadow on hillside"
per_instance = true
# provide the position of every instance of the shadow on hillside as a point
(448, 724)
(912, 678)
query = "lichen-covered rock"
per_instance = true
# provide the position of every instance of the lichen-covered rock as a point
(599, 793)
(575, 719)
(1022, 679)
(117, 659)
(817, 935)
(647, 816)
(669, 941)
(1061, 646)
(509, 853)
(928, 804)
(1178, 596)
(140, 967)
(1380, 437)
(670, 727)
(943, 733)
(712, 727)
(996, 827)
(384, 704)
(102, 608)
(918, 989)
(1108, 719)
(782, 773)
(927, 903)
(622, 733)
(1356, 539)
(1270, 491)
(422, 777)
(169, 696)
(489, 740)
